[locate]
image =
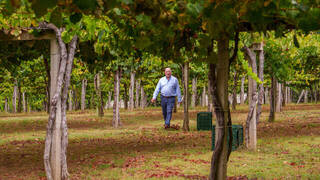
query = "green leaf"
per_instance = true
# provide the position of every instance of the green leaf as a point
(117, 11)
(101, 33)
(143, 42)
(295, 41)
(86, 4)
(143, 18)
(56, 17)
(127, 1)
(40, 7)
(204, 41)
(74, 18)
(66, 37)
(8, 8)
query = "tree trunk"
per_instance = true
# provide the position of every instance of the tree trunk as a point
(83, 94)
(311, 93)
(273, 90)
(261, 91)
(251, 123)
(28, 105)
(242, 90)
(194, 92)
(19, 98)
(52, 153)
(116, 113)
(283, 94)
(143, 97)
(137, 93)
(286, 99)
(289, 95)
(64, 127)
(211, 74)
(125, 96)
(75, 100)
(44, 105)
(99, 95)
(6, 105)
(47, 101)
(185, 126)
(14, 96)
(306, 96)
(92, 103)
(315, 94)
(266, 97)
(24, 103)
(249, 90)
(204, 97)
(278, 106)
(56, 142)
(131, 90)
(46, 65)
(207, 100)
(300, 97)
(109, 99)
(223, 123)
(70, 100)
(234, 92)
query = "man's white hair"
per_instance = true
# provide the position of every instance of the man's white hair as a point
(167, 69)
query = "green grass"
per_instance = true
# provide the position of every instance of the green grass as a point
(141, 149)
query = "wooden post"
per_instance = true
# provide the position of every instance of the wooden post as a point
(131, 90)
(305, 96)
(83, 94)
(242, 90)
(203, 102)
(109, 99)
(137, 93)
(186, 97)
(249, 89)
(24, 102)
(289, 95)
(266, 95)
(302, 92)
(194, 92)
(252, 144)
(279, 94)
(6, 105)
(55, 156)
(251, 123)
(142, 98)
(14, 96)
(210, 91)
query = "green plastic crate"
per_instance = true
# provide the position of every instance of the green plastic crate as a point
(204, 121)
(237, 134)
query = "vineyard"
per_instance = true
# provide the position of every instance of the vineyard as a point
(80, 79)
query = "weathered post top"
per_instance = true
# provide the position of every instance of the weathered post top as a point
(258, 46)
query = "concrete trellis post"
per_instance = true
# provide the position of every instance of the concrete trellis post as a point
(56, 149)
(55, 155)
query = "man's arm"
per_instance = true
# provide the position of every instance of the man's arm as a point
(178, 92)
(156, 92)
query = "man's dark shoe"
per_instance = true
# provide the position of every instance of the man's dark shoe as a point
(166, 126)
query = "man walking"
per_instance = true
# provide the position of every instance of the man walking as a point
(168, 86)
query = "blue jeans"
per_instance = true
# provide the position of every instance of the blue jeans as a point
(167, 104)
